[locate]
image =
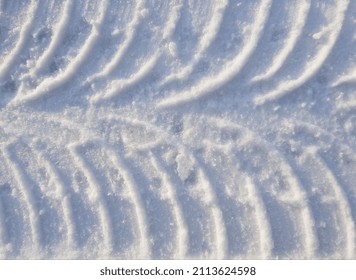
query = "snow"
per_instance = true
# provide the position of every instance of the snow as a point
(177, 129)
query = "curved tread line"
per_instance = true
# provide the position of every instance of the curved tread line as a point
(311, 242)
(120, 85)
(264, 227)
(344, 204)
(134, 195)
(14, 54)
(211, 201)
(130, 33)
(220, 234)
(209, 34)
(68, 214)
(182, 234)
(285, 169)
(53, 83)
(28, 199)
(97, 198)
(313, 65)
(290, 42)
(62, 25)
(230, 70)
(263, 221)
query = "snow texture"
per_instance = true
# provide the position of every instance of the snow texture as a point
(176, 129)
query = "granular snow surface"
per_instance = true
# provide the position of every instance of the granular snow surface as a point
(177, 129)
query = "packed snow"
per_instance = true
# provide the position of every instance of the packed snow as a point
(177, 129)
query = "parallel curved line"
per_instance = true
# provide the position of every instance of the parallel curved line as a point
(211, 202)
(182, 228)
(264, 227)
(57, 38)
(133, 194)
(209, 33)
(53, 83)
(344, 217)
(297, 25)
(311, 242)
(21, 43)
(314, 64)
(97, 198)
(231, 69)
(345, 209)
(67, 209)
(348, 78)
(210, 199)
(130, 32)
(28, 200)
(286, 170)
(116, 87)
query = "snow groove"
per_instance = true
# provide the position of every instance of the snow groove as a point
(330, 34)
(182, 228)
(97, 198)
(28, 200)
(231, 69)
(177, 129)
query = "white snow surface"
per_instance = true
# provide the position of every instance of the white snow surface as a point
(177, 129)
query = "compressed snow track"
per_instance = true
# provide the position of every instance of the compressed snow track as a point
(177, 129)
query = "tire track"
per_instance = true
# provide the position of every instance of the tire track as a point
(298, 15)
(204, 187)
(287, 191)
(62, 195)
(60, 28)
(230, 70)
(113, 192)
(327, 36)
(10, 59)
(144, 247)
(39, 40)
(50, 84)
(329, 214)
(170, 194)
(129, 35)
(14, 222)
(118, 86)
(336, 163)
(29, 201)
(239, 198)
(96, 197)
(161, 227)
(209, 34)
(341, 197)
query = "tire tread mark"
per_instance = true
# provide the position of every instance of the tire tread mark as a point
(311, 66)
(29, 200)
(97, 198)
(231, 69)
(182, 228)
(144, 247)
